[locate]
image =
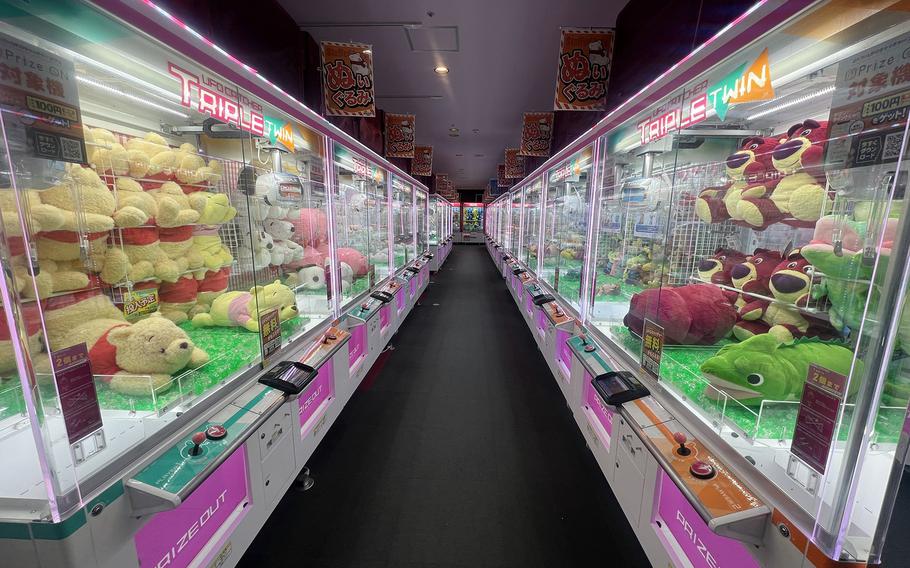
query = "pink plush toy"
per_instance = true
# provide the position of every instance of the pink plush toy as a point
(355, 260)
(310, 228)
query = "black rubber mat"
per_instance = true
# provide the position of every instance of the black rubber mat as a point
(461, 452)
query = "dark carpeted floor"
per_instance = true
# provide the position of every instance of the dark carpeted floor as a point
(461, 452)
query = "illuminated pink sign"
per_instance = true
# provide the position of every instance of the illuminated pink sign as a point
(658, 127)
(218, 101)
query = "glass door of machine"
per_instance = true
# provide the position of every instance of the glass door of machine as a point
(405, 245)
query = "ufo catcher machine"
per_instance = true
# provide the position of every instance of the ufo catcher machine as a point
(153, 214)
(756, 216)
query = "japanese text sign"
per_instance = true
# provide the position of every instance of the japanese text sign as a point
(422, 164)
(536, 134)
(269, 334)
(399, 135)
(816, 421)
(347, 79)
(514, 164)
(585, 56)
(652, 346)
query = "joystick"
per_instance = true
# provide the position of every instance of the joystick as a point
(681, 439)
(197, 439)
(584, 339)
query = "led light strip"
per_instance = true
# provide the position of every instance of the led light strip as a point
(791, 103)
(133, 98)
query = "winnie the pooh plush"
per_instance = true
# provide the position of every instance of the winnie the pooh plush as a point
(133, 359)
(145, 256)
(213, 208)
(39, 218)
(242, 309)
(177, 243)
(211, 285)
(176, 300)
(31, 323)
(207, 244)
(174, 209)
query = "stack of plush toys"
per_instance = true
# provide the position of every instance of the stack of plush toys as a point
(778, 179)
(139, 216)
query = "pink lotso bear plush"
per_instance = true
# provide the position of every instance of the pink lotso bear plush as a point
(799, 198)
(750, 170)
(696, 314)
(717, 267)
(790, 283)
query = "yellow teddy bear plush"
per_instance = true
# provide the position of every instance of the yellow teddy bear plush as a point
(213, 208)
(177, 243)
(242, 309)
(134, 359)
(174, 208)
(90, 212)
(40, 217)
(207, 243)
(110, 158)
(142, 247)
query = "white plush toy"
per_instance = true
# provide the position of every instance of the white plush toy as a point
(258, 249)
(282, 232)
(347, 275)
(311, 277)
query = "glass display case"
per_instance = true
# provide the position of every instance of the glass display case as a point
(422, 203)
(472, 217)
(434, 222)
(565, 224)
(531, 230)
(756, 215)
(456, 217)
(145, 230)
(360, 205)
(515, 221)
(405, 243)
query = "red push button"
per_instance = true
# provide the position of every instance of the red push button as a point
(215, 432)
(702, 470)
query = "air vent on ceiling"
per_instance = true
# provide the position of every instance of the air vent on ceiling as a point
(432, 38)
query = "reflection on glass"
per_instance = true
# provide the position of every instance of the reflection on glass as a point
(405, 246)
(531, 223)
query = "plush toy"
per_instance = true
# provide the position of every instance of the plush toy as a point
(695, 314)
(211, 285)
(177, 243)
(174, 209)
(65, 312)
(38, 217)
(140, 358)
(790, 284)
(145, 257)
(748, 167)
(213, 208)
(847, 282)
(799, 197)
(255, 252)
(89, 205)
(354, 259)
(311, 277)
(31, 325)
(233, 309)
(716, 269)
(187, 166)
(282, 233)
(266, 200)
(207, 244)
(177, 300)
(753, 276)
(762, 368)
(129, 193)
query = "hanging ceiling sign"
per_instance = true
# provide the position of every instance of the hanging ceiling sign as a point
(536, 134)
(585, 56)
(347, 79)
(399, 135)
(422, 164)
(501, 179)
(515, 164)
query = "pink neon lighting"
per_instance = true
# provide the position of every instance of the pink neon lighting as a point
(215, 104)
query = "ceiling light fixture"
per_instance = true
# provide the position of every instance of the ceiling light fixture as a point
(441, 70)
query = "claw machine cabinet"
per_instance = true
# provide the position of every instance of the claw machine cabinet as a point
(423, 259)
(361, 247)
(142, 304)
(750, 251)
(405, 245)
(435, 245)
(472, 222)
